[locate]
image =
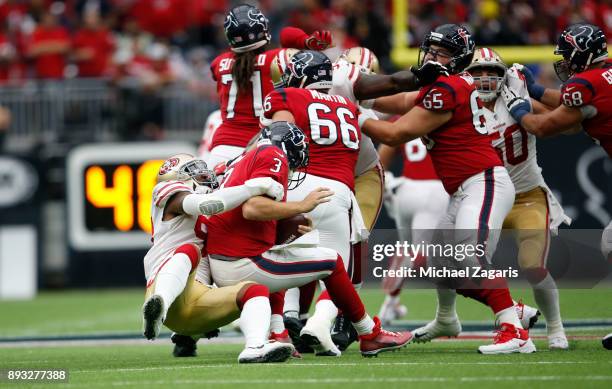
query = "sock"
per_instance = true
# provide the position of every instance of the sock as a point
(546, 296)
(277, 302)
(343, 294)
(255, 316)
(172, 278)
(357, 251)
(307, 293)
(365, 325)
(392, 299)
(395, 293)
(446, 305)
(508, 315)
(292, 303)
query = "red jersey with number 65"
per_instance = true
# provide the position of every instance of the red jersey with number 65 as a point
(460, 148)
(240, 110)
(229, 233)
(331, 126)
(593, 87)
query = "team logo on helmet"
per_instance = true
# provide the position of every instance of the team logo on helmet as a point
(168, 165)
(464, 35)
(256, 17)
(299, 63)
(581, 41)
(230, 20)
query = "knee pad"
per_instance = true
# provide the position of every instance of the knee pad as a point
(190, 251)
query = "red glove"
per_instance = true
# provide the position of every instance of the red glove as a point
(319, 40)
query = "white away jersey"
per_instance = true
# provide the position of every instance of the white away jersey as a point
(344, 76)
(168, 235)
(516, 147)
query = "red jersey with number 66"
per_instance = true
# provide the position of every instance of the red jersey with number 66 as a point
(593, 87)
(229, 233)
(331, 126)
(240, 110)
(460, 148)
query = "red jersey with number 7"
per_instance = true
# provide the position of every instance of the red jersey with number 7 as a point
(460, 148)
(593, 87)
(229, 233)
(240, 110)
(331, 126)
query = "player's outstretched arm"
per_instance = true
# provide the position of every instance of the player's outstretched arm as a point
(414, 124)
(293, 37)
(547, 96)
(397, 104)
(371, 86)
(560, 120)
(262, 209)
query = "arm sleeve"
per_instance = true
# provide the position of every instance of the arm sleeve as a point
(271, 162)
(293, 37)
(577, 92)
(440, 97)
(223, 200)
(163, 191)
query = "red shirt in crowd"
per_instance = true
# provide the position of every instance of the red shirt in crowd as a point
(49, 65)
(101, 44)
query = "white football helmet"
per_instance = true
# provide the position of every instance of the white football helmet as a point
(490, 86)
(363, 57)
(185, 167)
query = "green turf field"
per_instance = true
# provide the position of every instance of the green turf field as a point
(450, 363)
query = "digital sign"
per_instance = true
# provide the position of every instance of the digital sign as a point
(109, 193)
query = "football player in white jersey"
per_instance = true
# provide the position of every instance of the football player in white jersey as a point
(536, 212)
(213, 122)
(178, 294)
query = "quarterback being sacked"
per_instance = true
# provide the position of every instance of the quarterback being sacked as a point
(174, 296)
(536, 211)
(241, 242)
(448, 117)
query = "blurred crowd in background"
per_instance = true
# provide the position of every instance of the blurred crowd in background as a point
(141, 47)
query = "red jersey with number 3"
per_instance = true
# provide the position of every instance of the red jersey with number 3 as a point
(229, 233)
(460, 148)
(331, 126)
(240, 110)
(593, 87)
(417, 162)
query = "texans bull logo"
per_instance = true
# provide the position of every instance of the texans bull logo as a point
(299, 63)
(256, 17)
(581, 41)
(230, 20)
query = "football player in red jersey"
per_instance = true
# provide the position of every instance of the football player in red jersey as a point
(240, 242)
(448, 117)
(243, 76)
(416, 201)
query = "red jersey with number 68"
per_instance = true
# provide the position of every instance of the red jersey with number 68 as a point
(331, 126)
(229, 233)
(240, 110)
(593, 87)
(460, 148)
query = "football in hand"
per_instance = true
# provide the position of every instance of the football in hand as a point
(287, 229)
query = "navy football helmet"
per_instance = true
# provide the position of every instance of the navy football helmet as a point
(291, 139)
(246, 28)
(454, 38)
(308, 69)
(581, 45)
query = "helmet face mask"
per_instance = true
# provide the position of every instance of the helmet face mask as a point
(453, 38)
(489, 73)
(581, 45)
(308, 69)
(186, 168)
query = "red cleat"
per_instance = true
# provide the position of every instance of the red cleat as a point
(283, 337)
(381, 340)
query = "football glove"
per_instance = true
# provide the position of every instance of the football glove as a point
(319, 40)
(429, 72)
(517, 106)
(535, 90)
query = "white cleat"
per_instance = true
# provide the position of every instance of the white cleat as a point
(436, 329)
(318, 336)
(508, 340)
(558, 342)
(391, 310)
(153, 316)
(527, 315)
(267, 353)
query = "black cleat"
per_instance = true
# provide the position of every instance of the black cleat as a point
(294, 327)
(343, 334)
(607, 341)
(184, 346)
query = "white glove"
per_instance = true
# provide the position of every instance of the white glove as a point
(265, 186)
(517, 106)
(365, 114)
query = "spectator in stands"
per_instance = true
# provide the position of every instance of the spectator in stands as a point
(93, 46)
(49, 45)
